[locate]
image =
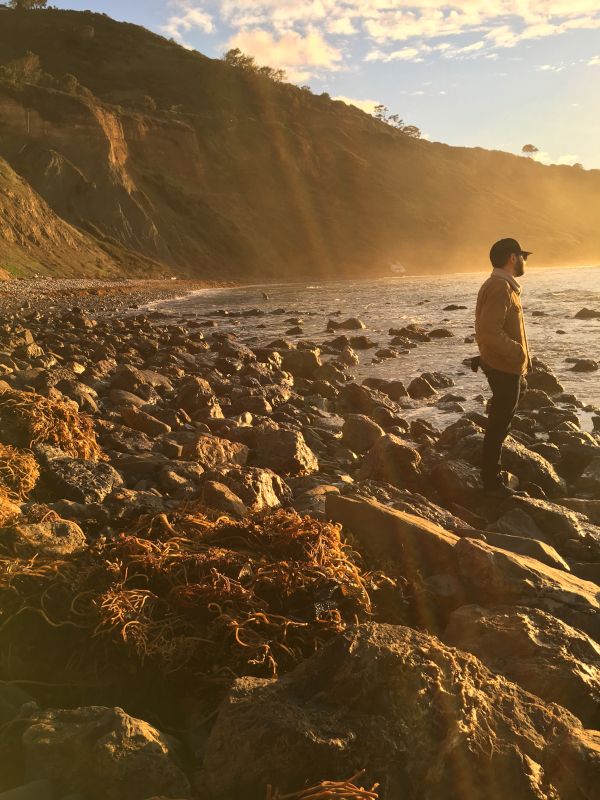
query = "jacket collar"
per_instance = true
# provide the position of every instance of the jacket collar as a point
(502, 273)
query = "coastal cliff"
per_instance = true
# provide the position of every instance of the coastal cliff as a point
(165, 161)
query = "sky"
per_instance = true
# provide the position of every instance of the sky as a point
(497, 74)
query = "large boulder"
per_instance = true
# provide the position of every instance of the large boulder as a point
(527, 465)
(391, 460)
(220, 497)
(285, 452)
(578, 449)
(540, 376)
(531, 467)
(457, 481)
(415, 544)
(557, 523)
(128, 505)
(54, 538)
(405, 500)
(536, 650)
(458, 431)
(193, 394)
(103, 753)
(517, 522)
(212, 451)
(420, 388)
(358, 399)
(589, 480)
(497, 577)
(581, 505)
(302, 363)
(78, 479)
(131, 379)
(427, 721)
(259, 489)
(180, 479)
(142, 421)
(360, 433)
(524, 546)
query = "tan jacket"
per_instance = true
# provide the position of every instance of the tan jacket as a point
(499, 325)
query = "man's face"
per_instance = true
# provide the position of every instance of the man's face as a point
(519, 264)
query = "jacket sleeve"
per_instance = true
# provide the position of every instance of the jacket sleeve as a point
(490, 328)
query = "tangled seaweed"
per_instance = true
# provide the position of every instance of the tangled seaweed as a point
(19, 472)
(28, 419)
(327, 790)
(8, 510)
(220, 599)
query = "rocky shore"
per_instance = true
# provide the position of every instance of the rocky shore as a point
(100, 297)
(232, 572)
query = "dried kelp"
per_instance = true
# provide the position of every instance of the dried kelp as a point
(219, 598)
(19, 472)
(28, 419)
(328, 790)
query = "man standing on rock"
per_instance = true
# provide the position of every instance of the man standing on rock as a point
(504, 354)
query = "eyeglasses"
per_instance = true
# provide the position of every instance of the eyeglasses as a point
(523, 255)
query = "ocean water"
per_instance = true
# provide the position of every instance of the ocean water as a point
(393, 302)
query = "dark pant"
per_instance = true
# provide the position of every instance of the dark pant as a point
(505, 397)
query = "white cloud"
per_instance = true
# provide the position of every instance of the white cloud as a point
(550, 68)
(365, 105)
(404, 54)
(594, 62)
(186, 19)
(468, 51)
(342, 25)
(393, 28)
(565, 160)
(299, 55)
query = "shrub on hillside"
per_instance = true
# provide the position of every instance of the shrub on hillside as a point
(26, 5)
(235, 58)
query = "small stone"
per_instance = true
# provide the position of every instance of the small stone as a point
(587, 313)
(420, 388)
(585, 365)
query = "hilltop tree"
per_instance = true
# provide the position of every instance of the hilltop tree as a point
(529, 149)
(412, 131)
(25, 5)
(382, 113)
(236, 58)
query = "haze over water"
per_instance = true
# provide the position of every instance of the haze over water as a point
(394, 302)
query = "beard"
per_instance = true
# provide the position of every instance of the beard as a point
(519, 269)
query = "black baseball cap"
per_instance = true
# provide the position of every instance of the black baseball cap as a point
(503, 248)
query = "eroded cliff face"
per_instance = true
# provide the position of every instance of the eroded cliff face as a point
(123, 176)
(73, 152)
(159, 153)
(34, 239)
